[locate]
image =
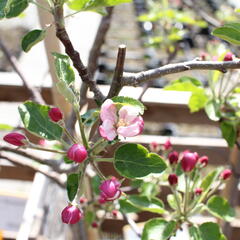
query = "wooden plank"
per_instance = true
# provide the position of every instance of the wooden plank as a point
(13, 93)
(162, 106)
(17, 173)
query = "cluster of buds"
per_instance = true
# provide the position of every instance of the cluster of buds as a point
(189, 161)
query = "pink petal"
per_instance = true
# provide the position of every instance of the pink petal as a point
(133, 129)
(128, 113)
(108, 111)
(107, 130)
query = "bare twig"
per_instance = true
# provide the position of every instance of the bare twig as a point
(62, 35)
(134, 79)
(34, 93)
(27, 155)
(204, 15)
(38, 168)
(117, 78)
(99, 41)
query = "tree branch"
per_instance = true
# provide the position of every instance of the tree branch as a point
(99, 41)
(42, 169)
(63, 36)
(34, 93)
(118, 73)
(134, 79)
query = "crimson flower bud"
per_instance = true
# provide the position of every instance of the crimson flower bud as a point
(82, 200)
(154, 147)
(203, 56)
(110, 189)
(55, 114)
(101, 200)
(188, 161)
(198, 191)
(77, 153)
(16, 139)
(71, 214)
(42, 142)
(203, 161)
(225, 174)
(196, 155)
(95, 225)
(173, 157)
(173, 179)
(228, 57)
(115, 212)
(167, 145)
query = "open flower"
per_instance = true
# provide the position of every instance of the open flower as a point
(110, 190)
(126, 122)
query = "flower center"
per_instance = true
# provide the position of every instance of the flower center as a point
(122, 123)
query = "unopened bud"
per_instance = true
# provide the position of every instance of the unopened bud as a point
(198, 191)
(203, 161)
(16, 139)
(167, 145)
(188, 161)
(173, 179)
(77, 153)
(225, 174)
(154, 147)
(173, 157)
(228, 57)
(55, 114)
(71, 215)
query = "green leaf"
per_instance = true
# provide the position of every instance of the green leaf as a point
(210, 179)
(89, 5)
(67, 160)
(198, 98)
(64, 70)
(158, 229)
(210, 231)
(220, 208)
(194, 233)
(127, 207)
(194, 81)
(149, 189)
(3, 4)
(67, 92)
(229, 132)
(172, 202)
(154, 205)
(35, 119)
(89, 217)
(212, 110)
(15, 7)
(96, 181)
(129, 101)
(32, 38)
(130, 157)
(72, 185)
(90, 117)
(6, 127)
(228, 33)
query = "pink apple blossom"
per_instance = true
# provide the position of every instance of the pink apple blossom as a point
(125, 122)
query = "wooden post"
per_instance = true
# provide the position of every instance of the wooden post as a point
(52, 45)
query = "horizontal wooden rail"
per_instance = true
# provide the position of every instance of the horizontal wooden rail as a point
(161, 106)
